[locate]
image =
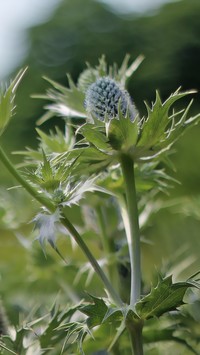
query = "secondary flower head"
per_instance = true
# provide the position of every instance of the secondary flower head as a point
(103, 98)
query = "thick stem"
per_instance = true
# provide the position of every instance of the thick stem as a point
(135, 334)
(133, 233)
(46, 202)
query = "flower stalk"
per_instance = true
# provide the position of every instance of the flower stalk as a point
(133, 233)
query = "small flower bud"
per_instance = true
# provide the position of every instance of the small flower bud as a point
(103, 97)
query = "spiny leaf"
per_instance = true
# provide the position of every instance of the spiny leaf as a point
(94, 136)
(89, 160)
(7, 98)
(67, 102)
(155, 133)
(74, 192)
(56, 142)
(46, 224)
(165, 297)
(125, 71)
(122, 133)
(96, 311)
(54, 331)
(76, 333)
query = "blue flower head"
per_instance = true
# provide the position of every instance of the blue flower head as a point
(103, 97)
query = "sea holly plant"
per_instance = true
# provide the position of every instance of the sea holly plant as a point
(108, 159)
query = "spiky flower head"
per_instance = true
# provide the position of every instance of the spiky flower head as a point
(105, 97)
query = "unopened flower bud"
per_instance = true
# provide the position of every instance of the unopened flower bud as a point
(103, 97)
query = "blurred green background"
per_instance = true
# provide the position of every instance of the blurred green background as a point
(81, 31)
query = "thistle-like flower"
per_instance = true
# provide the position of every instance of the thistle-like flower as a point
(105, 97)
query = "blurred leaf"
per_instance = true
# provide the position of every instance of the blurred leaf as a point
(154, 333)
(7, 98)
(95, 312)
(68, 102)
(46, 224)
(56, 142)
(89, 160)
(75, 334)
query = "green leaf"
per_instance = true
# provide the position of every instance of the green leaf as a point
(89, 160)
(56, 142)
(95, 312)
(55, 332)
(7, 98)
(165, 297)
(170, 329)
(76, 333)
(122, 133)
(67, 102)
(162, 128)
(94, 136)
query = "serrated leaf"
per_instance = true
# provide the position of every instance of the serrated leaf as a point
(76, 333)
(56, 142)
(55, 329)
(94, 136)
(158, 119)
(160, 130)
(122, 133)
(71, 99)
(67, 102)
(95, 312)
(74, 192)
(165, 297)
(89, 160)
(7, 98)
(46, 170)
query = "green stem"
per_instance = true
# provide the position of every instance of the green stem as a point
(101, 223)
(46, 202)
(92, 260)
(108, 247)
(133, 233)
(135, 334)
(29, 188)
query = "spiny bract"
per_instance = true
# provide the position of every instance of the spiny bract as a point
(102, 100)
